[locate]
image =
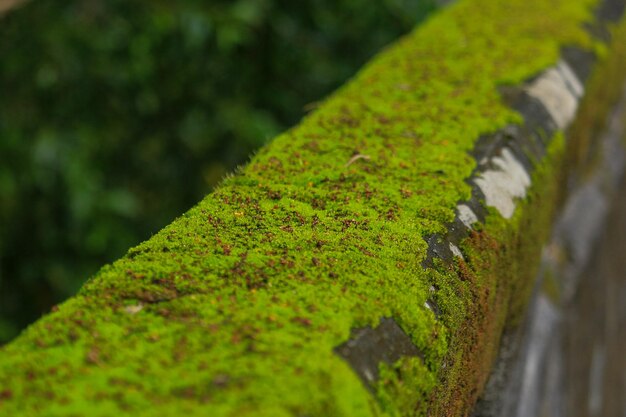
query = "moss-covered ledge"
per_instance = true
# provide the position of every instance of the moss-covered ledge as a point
(247, 305)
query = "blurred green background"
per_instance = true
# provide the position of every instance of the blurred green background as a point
(117, 116)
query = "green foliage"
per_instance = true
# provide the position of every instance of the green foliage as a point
(116, 116)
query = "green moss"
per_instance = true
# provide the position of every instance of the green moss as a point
(235, 308)
(400, 392)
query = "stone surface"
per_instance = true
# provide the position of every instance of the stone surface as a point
(594, 338)
(369, 347)
(503, 184)
(466, 215)
(553, 90)
(567, 358)
(580, 60)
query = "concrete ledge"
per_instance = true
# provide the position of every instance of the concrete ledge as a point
(365, 263)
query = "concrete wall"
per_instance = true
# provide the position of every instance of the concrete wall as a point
(567, 358)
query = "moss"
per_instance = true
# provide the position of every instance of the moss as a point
(501, 262)
(400, 392)
(235, 308)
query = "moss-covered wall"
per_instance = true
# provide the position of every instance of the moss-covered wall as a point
(239, 306)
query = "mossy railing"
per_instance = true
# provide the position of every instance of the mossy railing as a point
(365, 262)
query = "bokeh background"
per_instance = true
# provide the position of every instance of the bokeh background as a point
(116, 116)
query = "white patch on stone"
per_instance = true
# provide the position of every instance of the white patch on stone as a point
(466, 215)
(551, 89)
(427, 306)
(570, 78)
(455, 250)
(505, 183)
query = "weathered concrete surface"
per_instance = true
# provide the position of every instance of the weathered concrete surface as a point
(568, 358)
(595, 327)
(369, 347)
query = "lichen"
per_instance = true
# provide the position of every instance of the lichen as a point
(234, 309)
